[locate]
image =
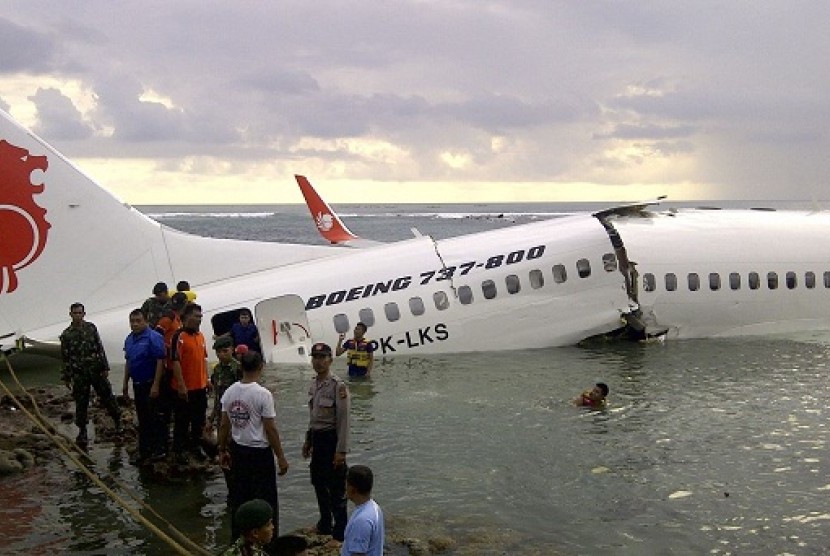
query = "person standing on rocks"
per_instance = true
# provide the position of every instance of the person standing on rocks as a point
(144, 353)
(85, 365)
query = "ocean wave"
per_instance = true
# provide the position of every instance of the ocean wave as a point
(494, 216)
(197, 214)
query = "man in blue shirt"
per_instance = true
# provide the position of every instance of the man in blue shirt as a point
(365, 530)
(245, 331)
(145, 353)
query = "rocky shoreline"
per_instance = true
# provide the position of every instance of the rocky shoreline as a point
(24, 445)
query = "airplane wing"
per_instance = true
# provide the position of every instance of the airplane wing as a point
(330, 226)
(629, 208)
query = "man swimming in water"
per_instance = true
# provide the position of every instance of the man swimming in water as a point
(594, 398)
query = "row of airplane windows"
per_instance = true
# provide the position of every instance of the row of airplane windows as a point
(754, 281)
(489, 290)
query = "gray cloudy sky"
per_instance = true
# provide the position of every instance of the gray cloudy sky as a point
(428, 100)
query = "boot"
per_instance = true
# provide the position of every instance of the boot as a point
(82, 439)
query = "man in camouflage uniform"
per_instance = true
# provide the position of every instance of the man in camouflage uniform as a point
(84, 365)
(225, 372)
(156, 306)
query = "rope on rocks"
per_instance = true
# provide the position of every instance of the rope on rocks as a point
(43, 425)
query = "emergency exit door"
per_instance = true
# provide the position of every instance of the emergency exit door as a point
(283, 329)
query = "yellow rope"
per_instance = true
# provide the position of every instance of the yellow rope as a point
(132, 494)
(41, 423)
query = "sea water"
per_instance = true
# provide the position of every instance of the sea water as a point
(708, 446)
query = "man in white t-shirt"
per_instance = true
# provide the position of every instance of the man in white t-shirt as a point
(365, 530)
(249, 441)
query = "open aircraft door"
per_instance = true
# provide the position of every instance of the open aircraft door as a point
(283, 329)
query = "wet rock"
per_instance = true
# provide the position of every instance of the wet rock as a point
(441, 544)
(15, 461)
(9, 464)
(416, 547)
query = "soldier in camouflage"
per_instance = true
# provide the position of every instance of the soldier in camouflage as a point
(225, 373)
(156, 306)
(85, 365)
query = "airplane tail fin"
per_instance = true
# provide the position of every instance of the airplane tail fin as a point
(64, 238)
(328, 223)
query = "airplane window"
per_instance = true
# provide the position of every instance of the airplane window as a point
(772, 280)
(416, 305)
(488, 288)
(559, 273)
(341, 323)
(810, 280)
(754, 281)
(714, 281)
(465, 295)
(649, 283)
(609, 262)
(513, 284)
(537, 279)
(694, 282)
(367, 317)
(583, 267)
(791, 281)
(671, 282)
(735, 281)
(441, 300)
(827, 279)
(392, 311)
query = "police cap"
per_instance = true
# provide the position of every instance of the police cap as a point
(320, 349)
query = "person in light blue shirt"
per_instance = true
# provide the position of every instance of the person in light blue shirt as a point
(365, 530)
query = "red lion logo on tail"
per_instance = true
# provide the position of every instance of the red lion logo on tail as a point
(23, 224)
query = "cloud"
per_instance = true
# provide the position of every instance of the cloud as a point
(58, 118)
(534, 90)
(25, 49)
(647, 131)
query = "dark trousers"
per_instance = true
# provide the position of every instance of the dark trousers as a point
(165, 408)
(189, 420)
(329, 484)
(253, 474)
(151, 434)
(81, 383)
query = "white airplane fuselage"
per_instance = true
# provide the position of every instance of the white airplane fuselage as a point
(756, 272)
(699, 273)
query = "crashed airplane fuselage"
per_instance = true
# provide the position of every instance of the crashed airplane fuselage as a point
(550, 283)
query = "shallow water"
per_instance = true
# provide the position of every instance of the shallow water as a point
(714, 446)
(709, 446)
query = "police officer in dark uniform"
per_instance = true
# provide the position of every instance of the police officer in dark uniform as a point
(327, 442)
